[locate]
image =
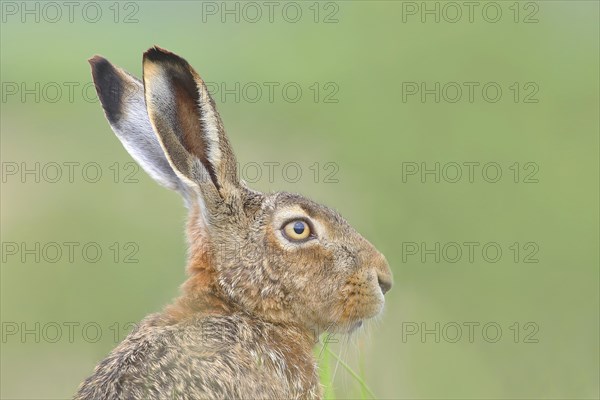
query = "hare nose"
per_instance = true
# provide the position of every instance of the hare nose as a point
(385, 283)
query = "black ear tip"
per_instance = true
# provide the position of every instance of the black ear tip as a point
(101, 67)
(158, 54)
(161, 56)
(109, 85)
(96, 59)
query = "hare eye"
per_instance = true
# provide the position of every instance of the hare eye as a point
(296, 230)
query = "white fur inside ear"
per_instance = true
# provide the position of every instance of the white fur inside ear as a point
(134, 130)
(136, 133)
(203, 210)
(205, 222)
(211, 124)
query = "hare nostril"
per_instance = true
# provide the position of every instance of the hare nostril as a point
(385, 283)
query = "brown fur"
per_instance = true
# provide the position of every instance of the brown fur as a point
(255, 300)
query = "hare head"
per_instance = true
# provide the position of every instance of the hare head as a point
(279, 256)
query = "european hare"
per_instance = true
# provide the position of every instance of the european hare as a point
(267, 272)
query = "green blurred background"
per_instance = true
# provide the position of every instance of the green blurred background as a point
(365, 51)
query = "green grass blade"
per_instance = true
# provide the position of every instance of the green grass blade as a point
(364, 387)
(325, 373)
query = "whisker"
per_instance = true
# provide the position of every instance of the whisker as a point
(342, 347)
(325, 343)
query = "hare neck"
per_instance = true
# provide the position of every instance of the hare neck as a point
(202, 296)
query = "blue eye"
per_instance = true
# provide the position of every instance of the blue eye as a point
(299, 227)
(297, 230)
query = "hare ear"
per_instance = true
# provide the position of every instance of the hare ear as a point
(187, 123)
(122, 97)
